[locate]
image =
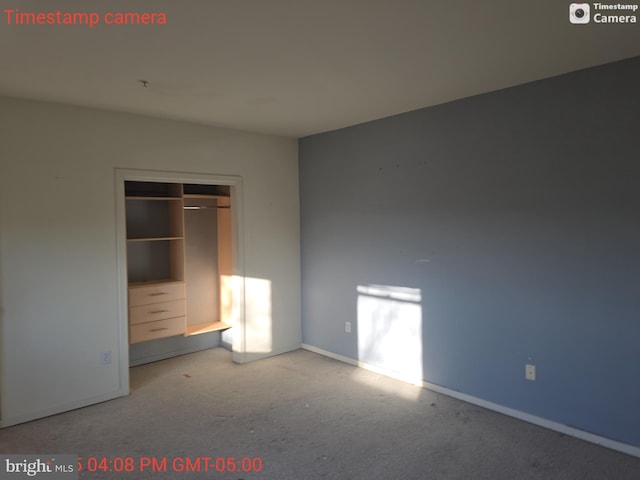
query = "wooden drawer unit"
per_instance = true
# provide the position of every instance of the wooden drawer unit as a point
(158, 329)
(156, 293)
(156, 311)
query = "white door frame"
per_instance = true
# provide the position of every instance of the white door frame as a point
(233, 181)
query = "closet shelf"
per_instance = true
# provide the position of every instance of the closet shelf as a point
(142, 197)
(159, 281)
(206, 327)
(203, 195)
(220, 200)
(153, 239)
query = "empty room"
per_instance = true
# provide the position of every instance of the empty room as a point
(353, 239)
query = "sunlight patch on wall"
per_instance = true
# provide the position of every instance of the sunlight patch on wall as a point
(230, 304)
(390, 330)
(258, 322)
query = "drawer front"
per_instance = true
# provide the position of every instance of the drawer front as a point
(156, 293)
(156, 311)
(158, 329)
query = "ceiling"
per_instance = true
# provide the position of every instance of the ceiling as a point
(297, 67)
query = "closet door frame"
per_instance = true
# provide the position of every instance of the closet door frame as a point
(235, 184)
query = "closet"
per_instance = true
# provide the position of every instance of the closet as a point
(179, 259)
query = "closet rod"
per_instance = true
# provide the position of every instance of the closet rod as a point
(203, 207)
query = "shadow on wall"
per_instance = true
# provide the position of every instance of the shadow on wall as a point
(389, 330)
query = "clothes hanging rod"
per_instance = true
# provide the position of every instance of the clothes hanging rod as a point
(204, 207)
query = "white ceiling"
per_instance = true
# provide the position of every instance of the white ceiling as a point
(298, 67)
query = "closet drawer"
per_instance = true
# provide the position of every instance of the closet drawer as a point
(158, 329)
(156, 311)
(156, 293)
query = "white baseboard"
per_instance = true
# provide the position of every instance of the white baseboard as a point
(527, 417)
(253, 356)
(15, 420)
(165, 355)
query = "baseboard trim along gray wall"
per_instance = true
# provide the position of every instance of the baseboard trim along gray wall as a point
(542, 422)
(465, 243)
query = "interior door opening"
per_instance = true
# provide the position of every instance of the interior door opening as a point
(182, 266)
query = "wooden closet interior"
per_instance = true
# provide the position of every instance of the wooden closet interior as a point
(179, 259)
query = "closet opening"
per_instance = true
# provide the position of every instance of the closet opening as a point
(182, 266)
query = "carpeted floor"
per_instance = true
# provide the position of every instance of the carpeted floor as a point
(304, 416)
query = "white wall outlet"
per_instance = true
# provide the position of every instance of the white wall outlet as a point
(105, 358)
(347, 327)
(530, 372)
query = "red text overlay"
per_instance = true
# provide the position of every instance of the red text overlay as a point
(170, 464)
(14, 16)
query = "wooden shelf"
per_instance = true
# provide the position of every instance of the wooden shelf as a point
(148, 283)
(153, 239)
(142, 197)
(205, 328)
(201, 195)
(208, 199)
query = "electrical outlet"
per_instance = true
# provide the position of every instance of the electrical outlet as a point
(347, 327)
(530, 372)
(105, 358)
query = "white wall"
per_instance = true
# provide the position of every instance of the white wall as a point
(58, 262)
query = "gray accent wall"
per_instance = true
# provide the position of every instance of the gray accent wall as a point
(515, 218)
